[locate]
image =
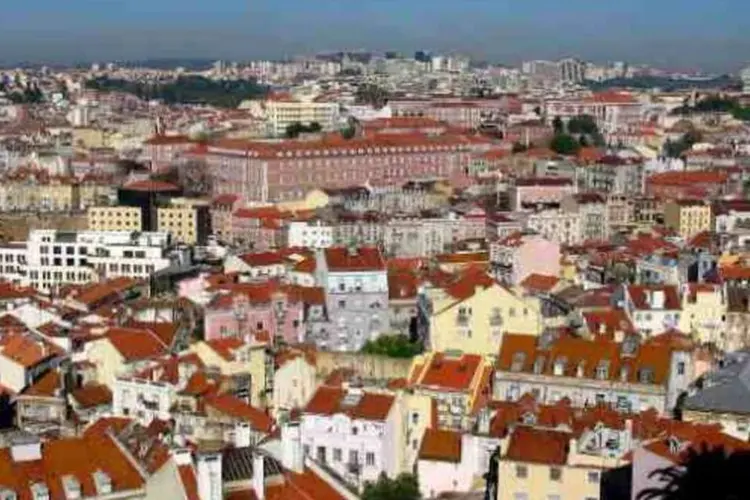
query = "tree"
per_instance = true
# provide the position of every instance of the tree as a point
(372, 94)
(293, 130)
(558, 126)
(404, 487)
(583, 124)
(349, 132)
(564, 144)
(314, 127)
(704, 473)
(394, 346)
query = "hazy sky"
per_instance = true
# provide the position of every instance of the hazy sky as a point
(672, 33)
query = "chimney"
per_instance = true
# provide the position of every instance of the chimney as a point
(291, 447)
(242, 435)
(658, 299)
(259, 479)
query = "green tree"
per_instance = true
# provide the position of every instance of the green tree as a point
(349, 132)
(558, 126)
(372, 94)
(564, 144)
(583, 124)
(394, 346)
(314, 127)
(404, 487)
(293, 130)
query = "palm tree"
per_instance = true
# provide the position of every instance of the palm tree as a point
(703, 474)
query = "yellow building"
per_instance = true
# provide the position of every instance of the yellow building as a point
(703, 312)
(187, 220)
(688, 217)
(542, 464)
(37, 190)
(232, 357)
(470, 314)
(117, 218)
(458, 383)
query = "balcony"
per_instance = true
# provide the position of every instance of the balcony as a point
(462, 320)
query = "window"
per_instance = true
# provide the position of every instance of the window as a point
(520, 496)
(370, 459)
(593, 477)
(681, 368)
(70, 250)
(337, 454)
(522, 472)
(741, 425)
(415, 418)
(56, 250)
(555, 474)
(353, 457)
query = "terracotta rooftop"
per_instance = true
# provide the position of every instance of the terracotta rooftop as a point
(441, 446)
(341, 259)
(332, 400)
(539, 446)
(449, 373)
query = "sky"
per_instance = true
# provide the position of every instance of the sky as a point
(677, 34)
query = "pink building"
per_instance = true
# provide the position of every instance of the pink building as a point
(259, 171)
(519, 255)
(242, 309)
(162, 150)
(613, 111)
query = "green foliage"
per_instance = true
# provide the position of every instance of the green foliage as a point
(665, 83)
(675, 149)
(349, 132)
(372, 94)
(394, 346)
(582, 124)
(564, 144)
(186, 90)
(404, 487)
(715, 104)
(557, 125)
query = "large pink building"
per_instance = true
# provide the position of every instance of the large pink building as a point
(613, 111)
(527, 193)
(259, 171)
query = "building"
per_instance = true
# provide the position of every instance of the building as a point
(688, 217)
(528, 193)
(593, 213)
(652, 308)
(458, 384)
(471, 312)
(146, 195)
(721, 397)
(313, 234)
(691, 185)
(629, 374)
(288, 170)
(279, 114)
(355, 433)
(51, 258)
(115, 218)
(537, 463)
(572, 70)
(558, 225)
(355, 281)
(187, 221)
(612, 111)
(519, 255)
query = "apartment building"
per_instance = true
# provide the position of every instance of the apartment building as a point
(114, 218)
(555, 224)
(50, 258)
(592, 211)
(187, 221)
(611, 110)
(628, 373)
(279, 114)
(688, 217)
(518, 255)
(288, 170)
(530, 192)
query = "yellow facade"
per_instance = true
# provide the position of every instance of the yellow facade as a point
(55, 195)
(688, 218)
(476, 325)
(115, 218)
(537, 483)
(179, 221)
(91, 194)
(702, 316)
(251, 360)
(108, 361)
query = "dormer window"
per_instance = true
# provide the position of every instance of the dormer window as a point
(560, 364)
(103, 482)
(624, 374)
(519, 359)
(539, 365)
(646, 376)
(39, 491)
(7, 494)
(602, 370)
(580, 369)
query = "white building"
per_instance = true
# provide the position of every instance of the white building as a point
(745, 76)
(51, 257)
(652, 309)
(556, 225)
(309, 234)
(280, 114)
(353, 432)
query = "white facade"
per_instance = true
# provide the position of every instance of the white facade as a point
(51, 258)
(309, 235)
(281, 114)
(556, 225)
(358, 450)
(142, 400)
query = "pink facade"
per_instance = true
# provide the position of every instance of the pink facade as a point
(164, 150)
(289, 170)
(238, 315)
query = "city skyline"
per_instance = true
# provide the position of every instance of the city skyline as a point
(676, 35)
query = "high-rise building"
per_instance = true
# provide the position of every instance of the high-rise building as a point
(572, 70)
(745, 76)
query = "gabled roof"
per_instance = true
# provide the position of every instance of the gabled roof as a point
(92, 395)
(136, 343)
(540, 283)
(441, 446)
(236, 408)
(331, 401)
(340, 259)
(539, 446)
(641, 296)
(453, 373)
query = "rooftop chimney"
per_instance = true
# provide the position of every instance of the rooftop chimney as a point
(658, 299)
(259, 476)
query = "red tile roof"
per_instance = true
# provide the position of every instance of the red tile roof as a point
(262, 259)
(135, 343)
(236, 408)
(28, 351)
(92, 395)
(340, 259)
(441, 445)
(641, 296)
(540, 446)
(226, 347)
(48, 385)
(77, 457)
(189, 482)
(450, 373)
(164, 140)
(151, 186)
(689, 179)
(331, 401)
(609, 320)
(540, 283)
